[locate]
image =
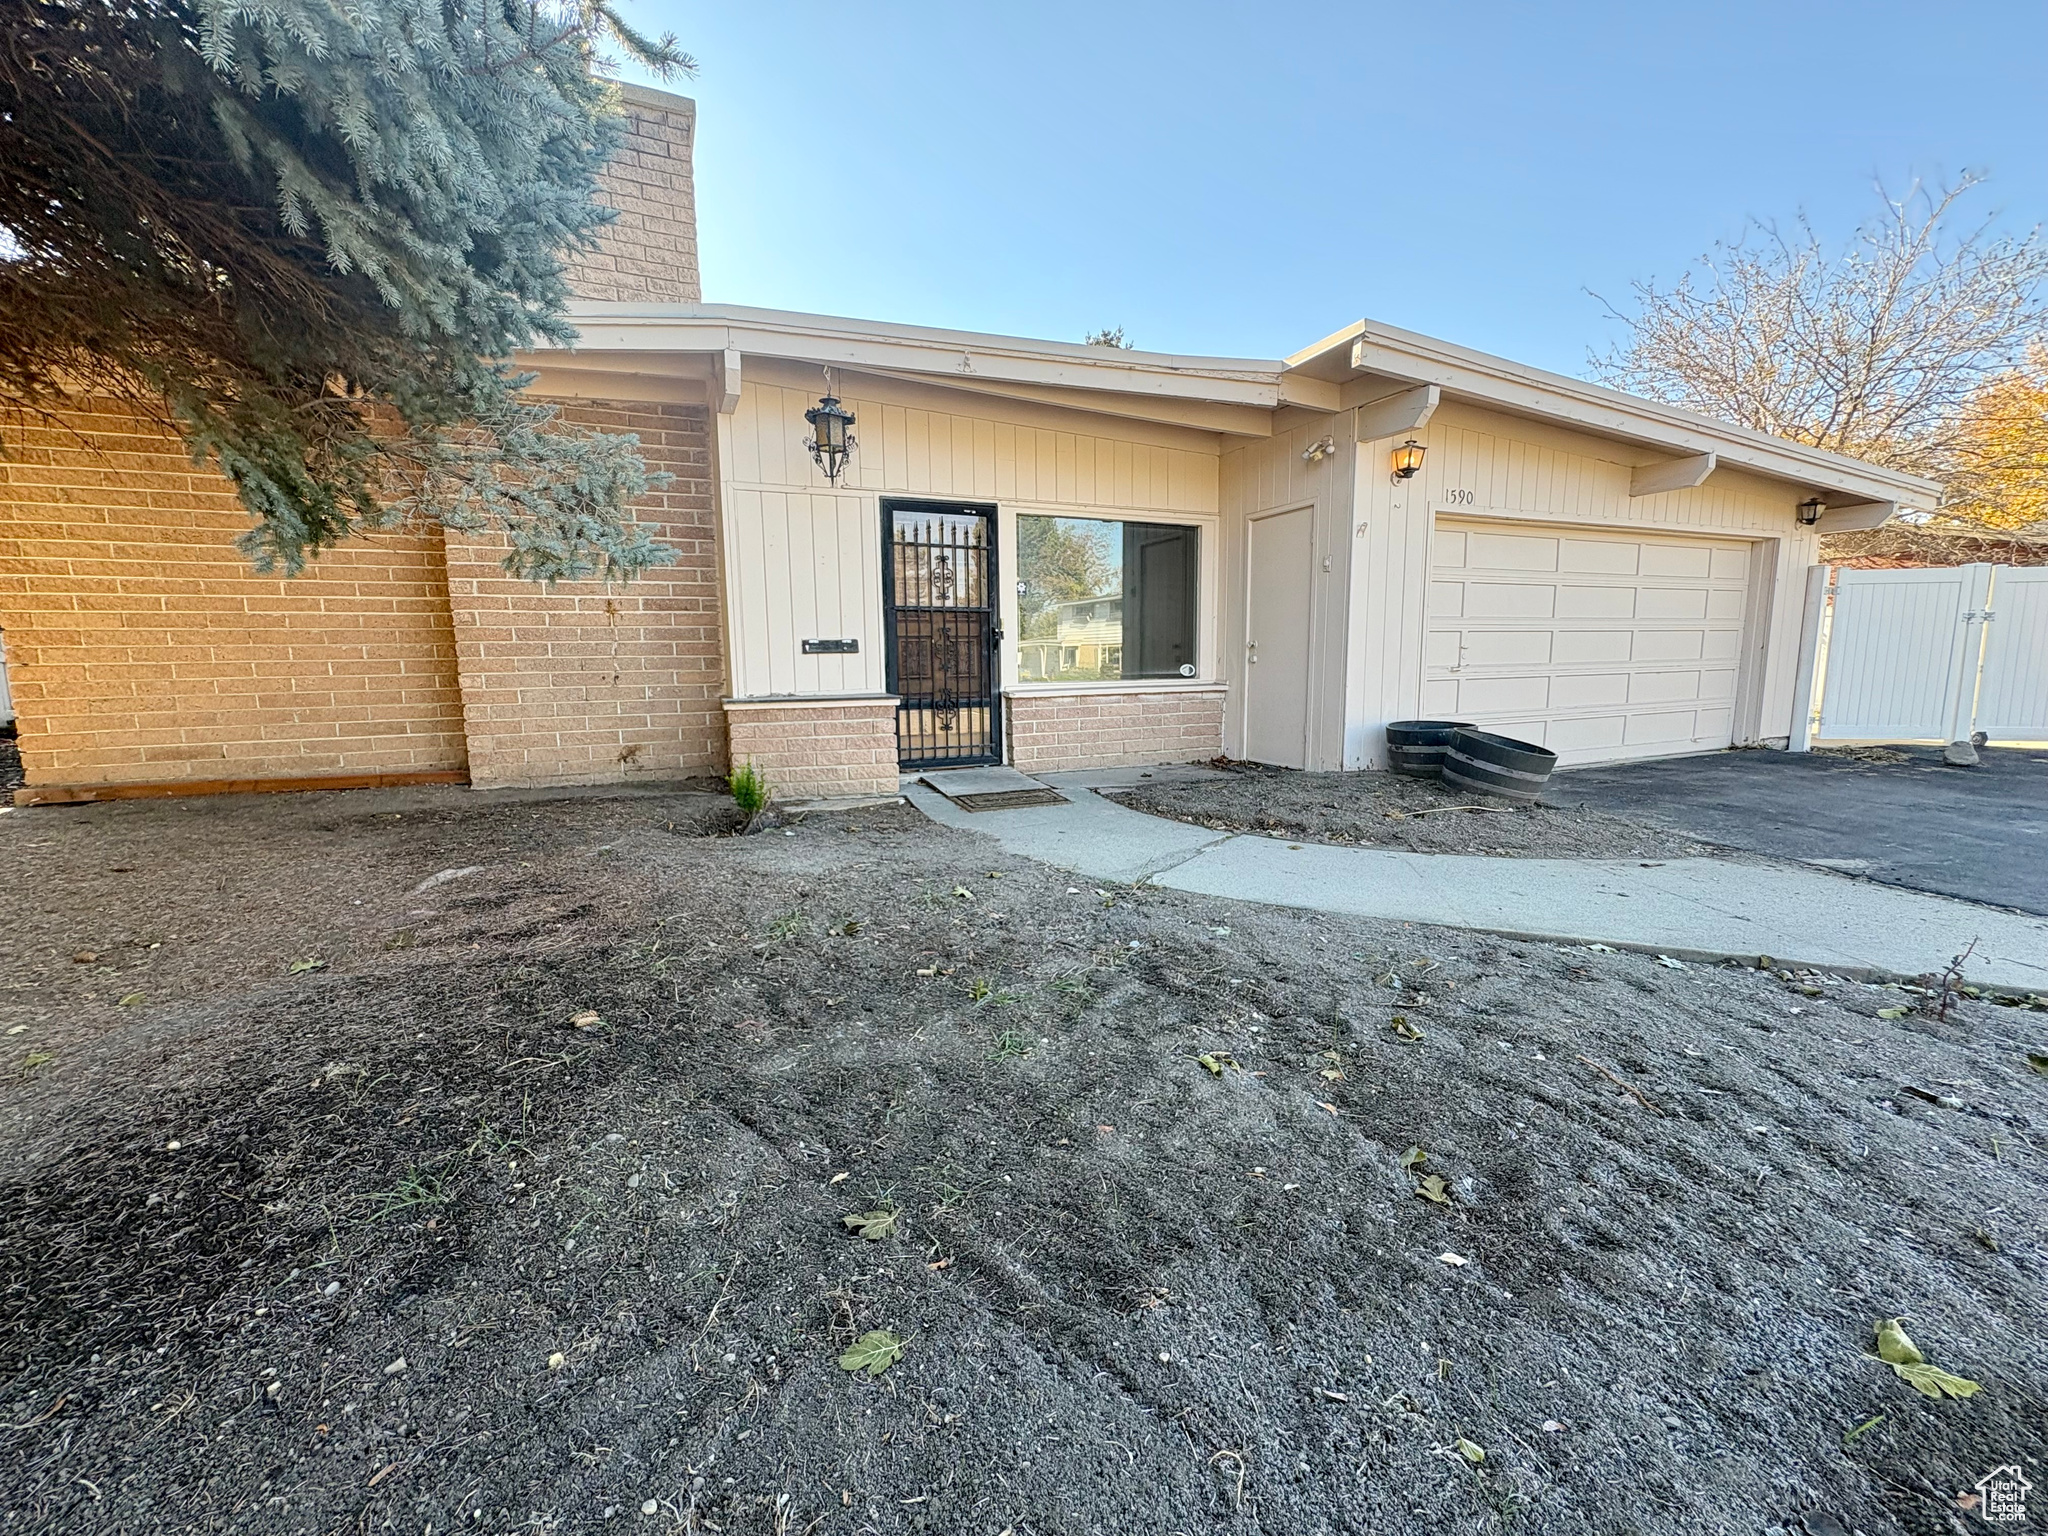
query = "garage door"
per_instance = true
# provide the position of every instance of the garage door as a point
(1598, 645)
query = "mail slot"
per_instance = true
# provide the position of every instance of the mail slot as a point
(831, 647)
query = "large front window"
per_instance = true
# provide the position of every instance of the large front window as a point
(1099, 600)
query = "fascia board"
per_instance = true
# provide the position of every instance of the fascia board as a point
(1486, 380)
(959, 355)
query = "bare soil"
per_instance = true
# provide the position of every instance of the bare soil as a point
(1394, 810)
(387, 1242)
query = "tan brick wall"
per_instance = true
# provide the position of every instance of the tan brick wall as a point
(817, 746)
(650, 252)
(584, 684)
(142, 648)
(1113, 730)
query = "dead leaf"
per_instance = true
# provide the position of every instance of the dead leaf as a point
(963, 893)
(1470, 1452)
(1434, 1187)
(1404, 1029)
(131, 1000)
(839, 1178)
(1893, 1013)
(1414, 1157)
(1216, 1061)
(299, 967)
(589, 1018)
(1897, 1350)
(1455, 1260)
(1332, 1074)
(873, 1352)
(84, 957)
(1670, 964)
(872, 1225)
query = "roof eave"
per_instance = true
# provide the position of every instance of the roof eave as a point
(835, 341)
(1367, 347)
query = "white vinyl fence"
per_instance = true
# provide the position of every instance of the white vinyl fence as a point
(1931, 655)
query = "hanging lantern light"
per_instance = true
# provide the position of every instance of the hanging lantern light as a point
(1408, 460)
(831, 440)
(1810, 511)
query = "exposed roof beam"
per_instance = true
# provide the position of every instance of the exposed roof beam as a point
(1310, 394)
(1856, 517)
(1408, 411)
(1671, 475)
(725, 380)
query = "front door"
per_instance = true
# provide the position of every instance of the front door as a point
(938, 596)
(1276, 638)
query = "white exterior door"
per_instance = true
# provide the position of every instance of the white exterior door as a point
(1600, 645)
(1278, 577)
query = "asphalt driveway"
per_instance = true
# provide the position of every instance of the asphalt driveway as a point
(1978, 833)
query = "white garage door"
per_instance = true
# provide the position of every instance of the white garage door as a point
(1600, 646)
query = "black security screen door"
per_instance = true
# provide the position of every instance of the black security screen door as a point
(939, 595)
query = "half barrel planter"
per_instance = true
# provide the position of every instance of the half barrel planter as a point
(1497, 765)
(1417, 746)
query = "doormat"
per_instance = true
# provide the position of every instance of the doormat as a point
(1008, 799)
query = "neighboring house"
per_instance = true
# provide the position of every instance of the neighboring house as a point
(1612, 577)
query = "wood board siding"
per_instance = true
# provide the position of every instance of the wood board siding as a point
(805, 556)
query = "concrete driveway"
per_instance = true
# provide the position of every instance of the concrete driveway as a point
(1977, 833)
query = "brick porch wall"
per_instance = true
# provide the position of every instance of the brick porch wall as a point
(142, 648)
(1049, 731)
(817, 746)
(584, 684)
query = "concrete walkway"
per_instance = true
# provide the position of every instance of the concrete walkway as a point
(1698, 908)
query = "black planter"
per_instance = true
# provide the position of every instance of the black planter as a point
(1497, 765)
(1417, 746)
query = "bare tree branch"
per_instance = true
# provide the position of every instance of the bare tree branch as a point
(1876, 352)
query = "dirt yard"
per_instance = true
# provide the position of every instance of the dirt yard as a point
(1392, 810)
(431, 1162)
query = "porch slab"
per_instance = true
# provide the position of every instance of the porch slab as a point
(1089, 835)
(990, 780)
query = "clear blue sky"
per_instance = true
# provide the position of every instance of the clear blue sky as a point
(1245, 179)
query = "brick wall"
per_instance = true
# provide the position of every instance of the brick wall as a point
(1048, 731)
(141, 648)
(817, 746)
(583, 684)
(650, 252)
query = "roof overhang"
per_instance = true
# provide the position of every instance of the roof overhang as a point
(1219, 394)
(1393, 378)
(1368, 362)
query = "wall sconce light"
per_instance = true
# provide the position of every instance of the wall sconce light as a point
(1810, 511)
(831, 441)
(1408, 460)
(1320, 450)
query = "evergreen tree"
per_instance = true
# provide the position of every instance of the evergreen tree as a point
(309, 234)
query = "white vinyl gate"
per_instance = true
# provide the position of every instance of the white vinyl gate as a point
(1933, 655)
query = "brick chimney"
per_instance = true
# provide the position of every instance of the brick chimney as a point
(649, 254)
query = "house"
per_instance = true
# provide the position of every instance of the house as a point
(1037, 552)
